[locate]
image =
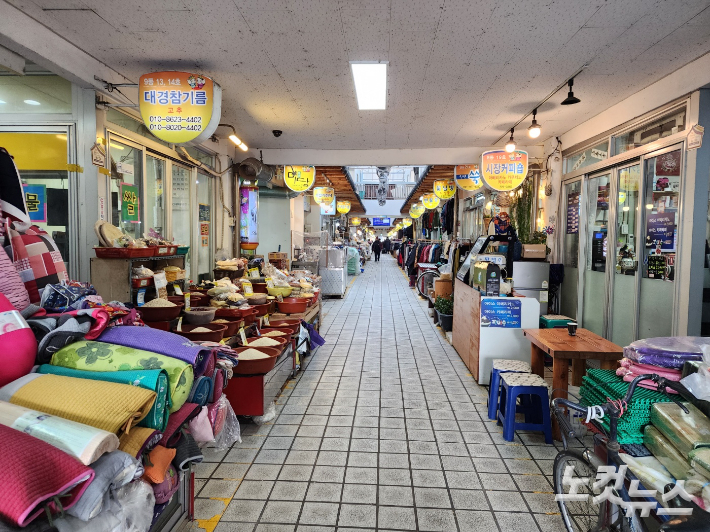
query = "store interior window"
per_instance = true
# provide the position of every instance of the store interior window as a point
(41, 159)
(35, 93)
(206, 221)
(669, 124)
(181, 195)
(626, 263)
(594, 308)
(154, 203)
(662, 182)
(132, 124)
(126, 181)
(591, 155)
(570, 245)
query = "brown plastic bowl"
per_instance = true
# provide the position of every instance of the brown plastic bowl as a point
(160, 325)
(289, 332)
(283, 341)
(160, 313)
(250, 318)
(271, 351)
(228, 312)
(255, 367)
(232, 326)
(199, 300)
(259, 288)
(216, 333)
(262, 310)
(291, 307)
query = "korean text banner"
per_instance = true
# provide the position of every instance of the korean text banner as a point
(444, 188)
(431, 201)
(36, 200)
(299, 178)
(323, 195)
(468, 177)
(416, 210)
(130, 208)
(179, 107)
(503, 171)
(343, 207)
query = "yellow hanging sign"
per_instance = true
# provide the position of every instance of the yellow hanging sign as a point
(416, 210)
(355, 221)
(179, 107)
(407, 222)
(299, 178)
(444, 188)
(503, 171)
(468, 177)
(323, 195)
(343, 207)
(431, 201)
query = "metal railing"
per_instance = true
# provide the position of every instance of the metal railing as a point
(395, 192)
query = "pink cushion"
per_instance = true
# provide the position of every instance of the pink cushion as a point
(18, 346)
(11, 285)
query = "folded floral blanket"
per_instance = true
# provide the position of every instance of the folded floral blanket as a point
(105, 405)
(81, 441)
(100, 356)
(155, 380)
(161, 342)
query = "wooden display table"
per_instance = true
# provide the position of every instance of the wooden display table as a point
(562, 348)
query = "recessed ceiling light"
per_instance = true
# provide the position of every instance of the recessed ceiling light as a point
(370, 84)
(2, 101)
(32, 102)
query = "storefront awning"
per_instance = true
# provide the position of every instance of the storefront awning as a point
(426, 184)
(338, 178)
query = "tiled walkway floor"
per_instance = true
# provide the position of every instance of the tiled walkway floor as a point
(384, 430)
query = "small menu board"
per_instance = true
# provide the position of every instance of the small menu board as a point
(656, 266)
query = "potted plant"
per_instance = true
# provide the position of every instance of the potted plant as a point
(445, 310)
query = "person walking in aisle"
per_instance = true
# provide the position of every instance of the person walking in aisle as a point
(377, 248)
(387, 245)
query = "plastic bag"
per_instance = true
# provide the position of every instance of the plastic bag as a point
(269, 414)
(142, 271)
(699, 383)
(231, 432)
(201, 428)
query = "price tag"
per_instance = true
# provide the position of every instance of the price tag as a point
(178, 290)
(280, 298)
(179, 325)
(254, 273)
(261, 321)
(243, 336)
(248, 289)
(269, 282)
(266, 321)
(187, 302)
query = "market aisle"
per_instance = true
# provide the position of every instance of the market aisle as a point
(381, 431)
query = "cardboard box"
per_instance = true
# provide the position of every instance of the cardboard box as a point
(534, 251)
(443, 287)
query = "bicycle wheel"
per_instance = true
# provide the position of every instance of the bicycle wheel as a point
(425, 281)
(584, 516)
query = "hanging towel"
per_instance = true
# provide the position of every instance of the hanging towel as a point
(139, 440)
(100, 356)
(201, 390)
(105, 405)
(161, 342)
(81, 441)
(155, 380)
(31, 472)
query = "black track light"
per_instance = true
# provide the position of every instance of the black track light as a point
(571, 99)
(510, 145)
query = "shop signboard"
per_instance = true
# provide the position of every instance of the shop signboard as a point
(416, 210)
(36, 201)
(431, 201)
(355, 221)
(502, 313)
(343, 207)
(323, 195)
(299, 178)
(503, 171)
(573, 213)
(660, 228)
(381, 222)
(444, 188)
(468, 177)
(130, 211)
(695, 137)
(407, 222)
(328, 209)
(179, 107)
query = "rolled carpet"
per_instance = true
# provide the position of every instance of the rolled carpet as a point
(201, 390)
(161, 342)
(139, 440)
(104, 405)
(81, 441)
(155, 380)
(100, 356)
(33, 472)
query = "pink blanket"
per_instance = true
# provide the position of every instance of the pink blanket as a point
(629, 370)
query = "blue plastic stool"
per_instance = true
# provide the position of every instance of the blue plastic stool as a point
(535, 405)
(501, 365)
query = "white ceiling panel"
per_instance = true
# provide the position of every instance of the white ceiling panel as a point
(461, 71)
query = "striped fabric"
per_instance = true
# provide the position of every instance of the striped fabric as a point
(11, 285)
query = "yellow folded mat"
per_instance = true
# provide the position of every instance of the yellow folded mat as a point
(105, 405)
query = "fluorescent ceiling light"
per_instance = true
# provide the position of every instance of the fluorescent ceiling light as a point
(370, 84)
(2, 101)
(32, 102)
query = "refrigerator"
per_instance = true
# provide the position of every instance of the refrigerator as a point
(532, 279)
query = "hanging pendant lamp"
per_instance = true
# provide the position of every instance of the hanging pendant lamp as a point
(571, 98)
